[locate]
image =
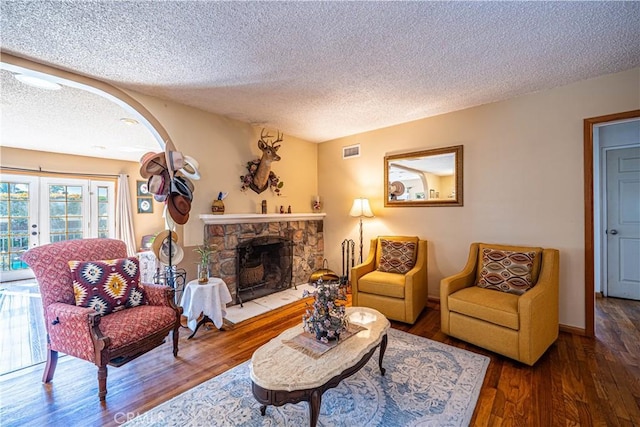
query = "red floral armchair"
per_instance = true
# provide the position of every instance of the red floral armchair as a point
(113, 339)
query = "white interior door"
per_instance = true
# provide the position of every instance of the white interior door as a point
(623, 223)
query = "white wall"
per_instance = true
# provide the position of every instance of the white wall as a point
(523, 180)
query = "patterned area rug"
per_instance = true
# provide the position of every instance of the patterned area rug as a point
(427, 383)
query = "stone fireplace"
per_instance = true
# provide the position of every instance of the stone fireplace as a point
(302, 235)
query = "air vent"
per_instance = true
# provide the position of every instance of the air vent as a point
(351, 151)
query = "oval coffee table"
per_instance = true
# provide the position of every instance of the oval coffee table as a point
(281, 374)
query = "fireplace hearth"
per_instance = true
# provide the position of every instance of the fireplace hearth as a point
(264, 266)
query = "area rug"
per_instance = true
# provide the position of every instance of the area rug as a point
(427, 383)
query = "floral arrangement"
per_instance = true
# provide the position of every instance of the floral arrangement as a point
(274, 181)
(325, 318)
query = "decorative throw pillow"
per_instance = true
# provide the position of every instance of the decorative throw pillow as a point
(507, 271)
(397, 256)
(107, 286)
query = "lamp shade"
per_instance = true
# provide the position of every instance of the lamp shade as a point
(361, 208)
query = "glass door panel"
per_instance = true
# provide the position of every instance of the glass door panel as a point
(18, 224)
(67, 215)
(103, 203)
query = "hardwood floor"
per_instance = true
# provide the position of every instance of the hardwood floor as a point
(578, 382)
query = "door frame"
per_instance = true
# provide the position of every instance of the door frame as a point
(589, 257)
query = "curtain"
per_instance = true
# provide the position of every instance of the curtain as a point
(124, 225)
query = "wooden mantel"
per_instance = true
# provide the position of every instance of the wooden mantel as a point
(258, 218)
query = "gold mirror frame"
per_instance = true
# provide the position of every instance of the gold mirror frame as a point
(438, 171)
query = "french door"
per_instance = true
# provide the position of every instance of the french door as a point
(39, 210)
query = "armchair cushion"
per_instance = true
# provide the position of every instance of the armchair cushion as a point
(107, 286)
(397, 256)
(381, 283)
(129, 326)
(499, 308)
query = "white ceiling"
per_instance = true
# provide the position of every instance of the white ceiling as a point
(315, 70)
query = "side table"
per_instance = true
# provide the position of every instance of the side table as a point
(210, 299)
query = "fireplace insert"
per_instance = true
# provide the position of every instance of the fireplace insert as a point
(264, 266)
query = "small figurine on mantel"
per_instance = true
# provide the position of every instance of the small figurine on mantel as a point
(281, 209)
(217, 207)
(289, 209)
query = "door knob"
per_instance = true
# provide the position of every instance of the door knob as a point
(614, 232)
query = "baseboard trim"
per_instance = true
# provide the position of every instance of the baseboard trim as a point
(573, 330)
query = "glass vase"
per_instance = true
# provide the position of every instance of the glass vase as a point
(203, 273)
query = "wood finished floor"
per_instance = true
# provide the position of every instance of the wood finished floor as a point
(578, 382)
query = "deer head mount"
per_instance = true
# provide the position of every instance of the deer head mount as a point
(260, 175)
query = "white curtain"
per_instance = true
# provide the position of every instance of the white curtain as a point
(124, 225)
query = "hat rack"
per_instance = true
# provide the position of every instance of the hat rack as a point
(172, 188)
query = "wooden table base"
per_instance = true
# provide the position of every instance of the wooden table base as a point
(205, 319)
(313, 395)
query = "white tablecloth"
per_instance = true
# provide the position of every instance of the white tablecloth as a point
(209, 299)
(148, 266)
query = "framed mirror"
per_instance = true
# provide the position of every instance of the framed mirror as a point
(424, 178)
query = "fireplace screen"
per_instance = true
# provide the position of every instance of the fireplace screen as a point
(264, 266)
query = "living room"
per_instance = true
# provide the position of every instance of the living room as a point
(523, 180)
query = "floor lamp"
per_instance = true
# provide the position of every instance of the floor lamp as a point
(361, 209)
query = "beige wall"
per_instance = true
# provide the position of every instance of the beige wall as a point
(523, 180)
(29, 159)
(223, 147)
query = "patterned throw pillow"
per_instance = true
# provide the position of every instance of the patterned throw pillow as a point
(506, 271)
(107, 286)
(397, 257)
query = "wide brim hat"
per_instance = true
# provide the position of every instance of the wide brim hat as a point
(160, 238)
(174, 159)
(190, 168)
(152, 164)
(179, 207)
(177, 253)
(160, 247)
(396, 188)
(159, 184)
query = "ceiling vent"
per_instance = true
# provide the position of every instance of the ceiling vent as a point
(351, 151)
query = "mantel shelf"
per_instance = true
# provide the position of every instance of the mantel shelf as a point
(258, 218)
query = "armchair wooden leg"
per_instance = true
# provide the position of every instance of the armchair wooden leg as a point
(102, 382)
(50, 367)
(176, 335)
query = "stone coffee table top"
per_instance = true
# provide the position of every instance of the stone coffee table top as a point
(277, 366)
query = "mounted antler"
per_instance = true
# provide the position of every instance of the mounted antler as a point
(269, 154)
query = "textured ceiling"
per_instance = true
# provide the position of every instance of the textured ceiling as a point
(322, 70)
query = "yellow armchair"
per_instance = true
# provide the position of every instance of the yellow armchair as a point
(521, 327)
(398, 296)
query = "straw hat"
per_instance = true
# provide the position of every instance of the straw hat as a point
(190, 169)
(161, 247)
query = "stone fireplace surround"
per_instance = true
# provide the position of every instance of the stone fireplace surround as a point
(226, 231)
